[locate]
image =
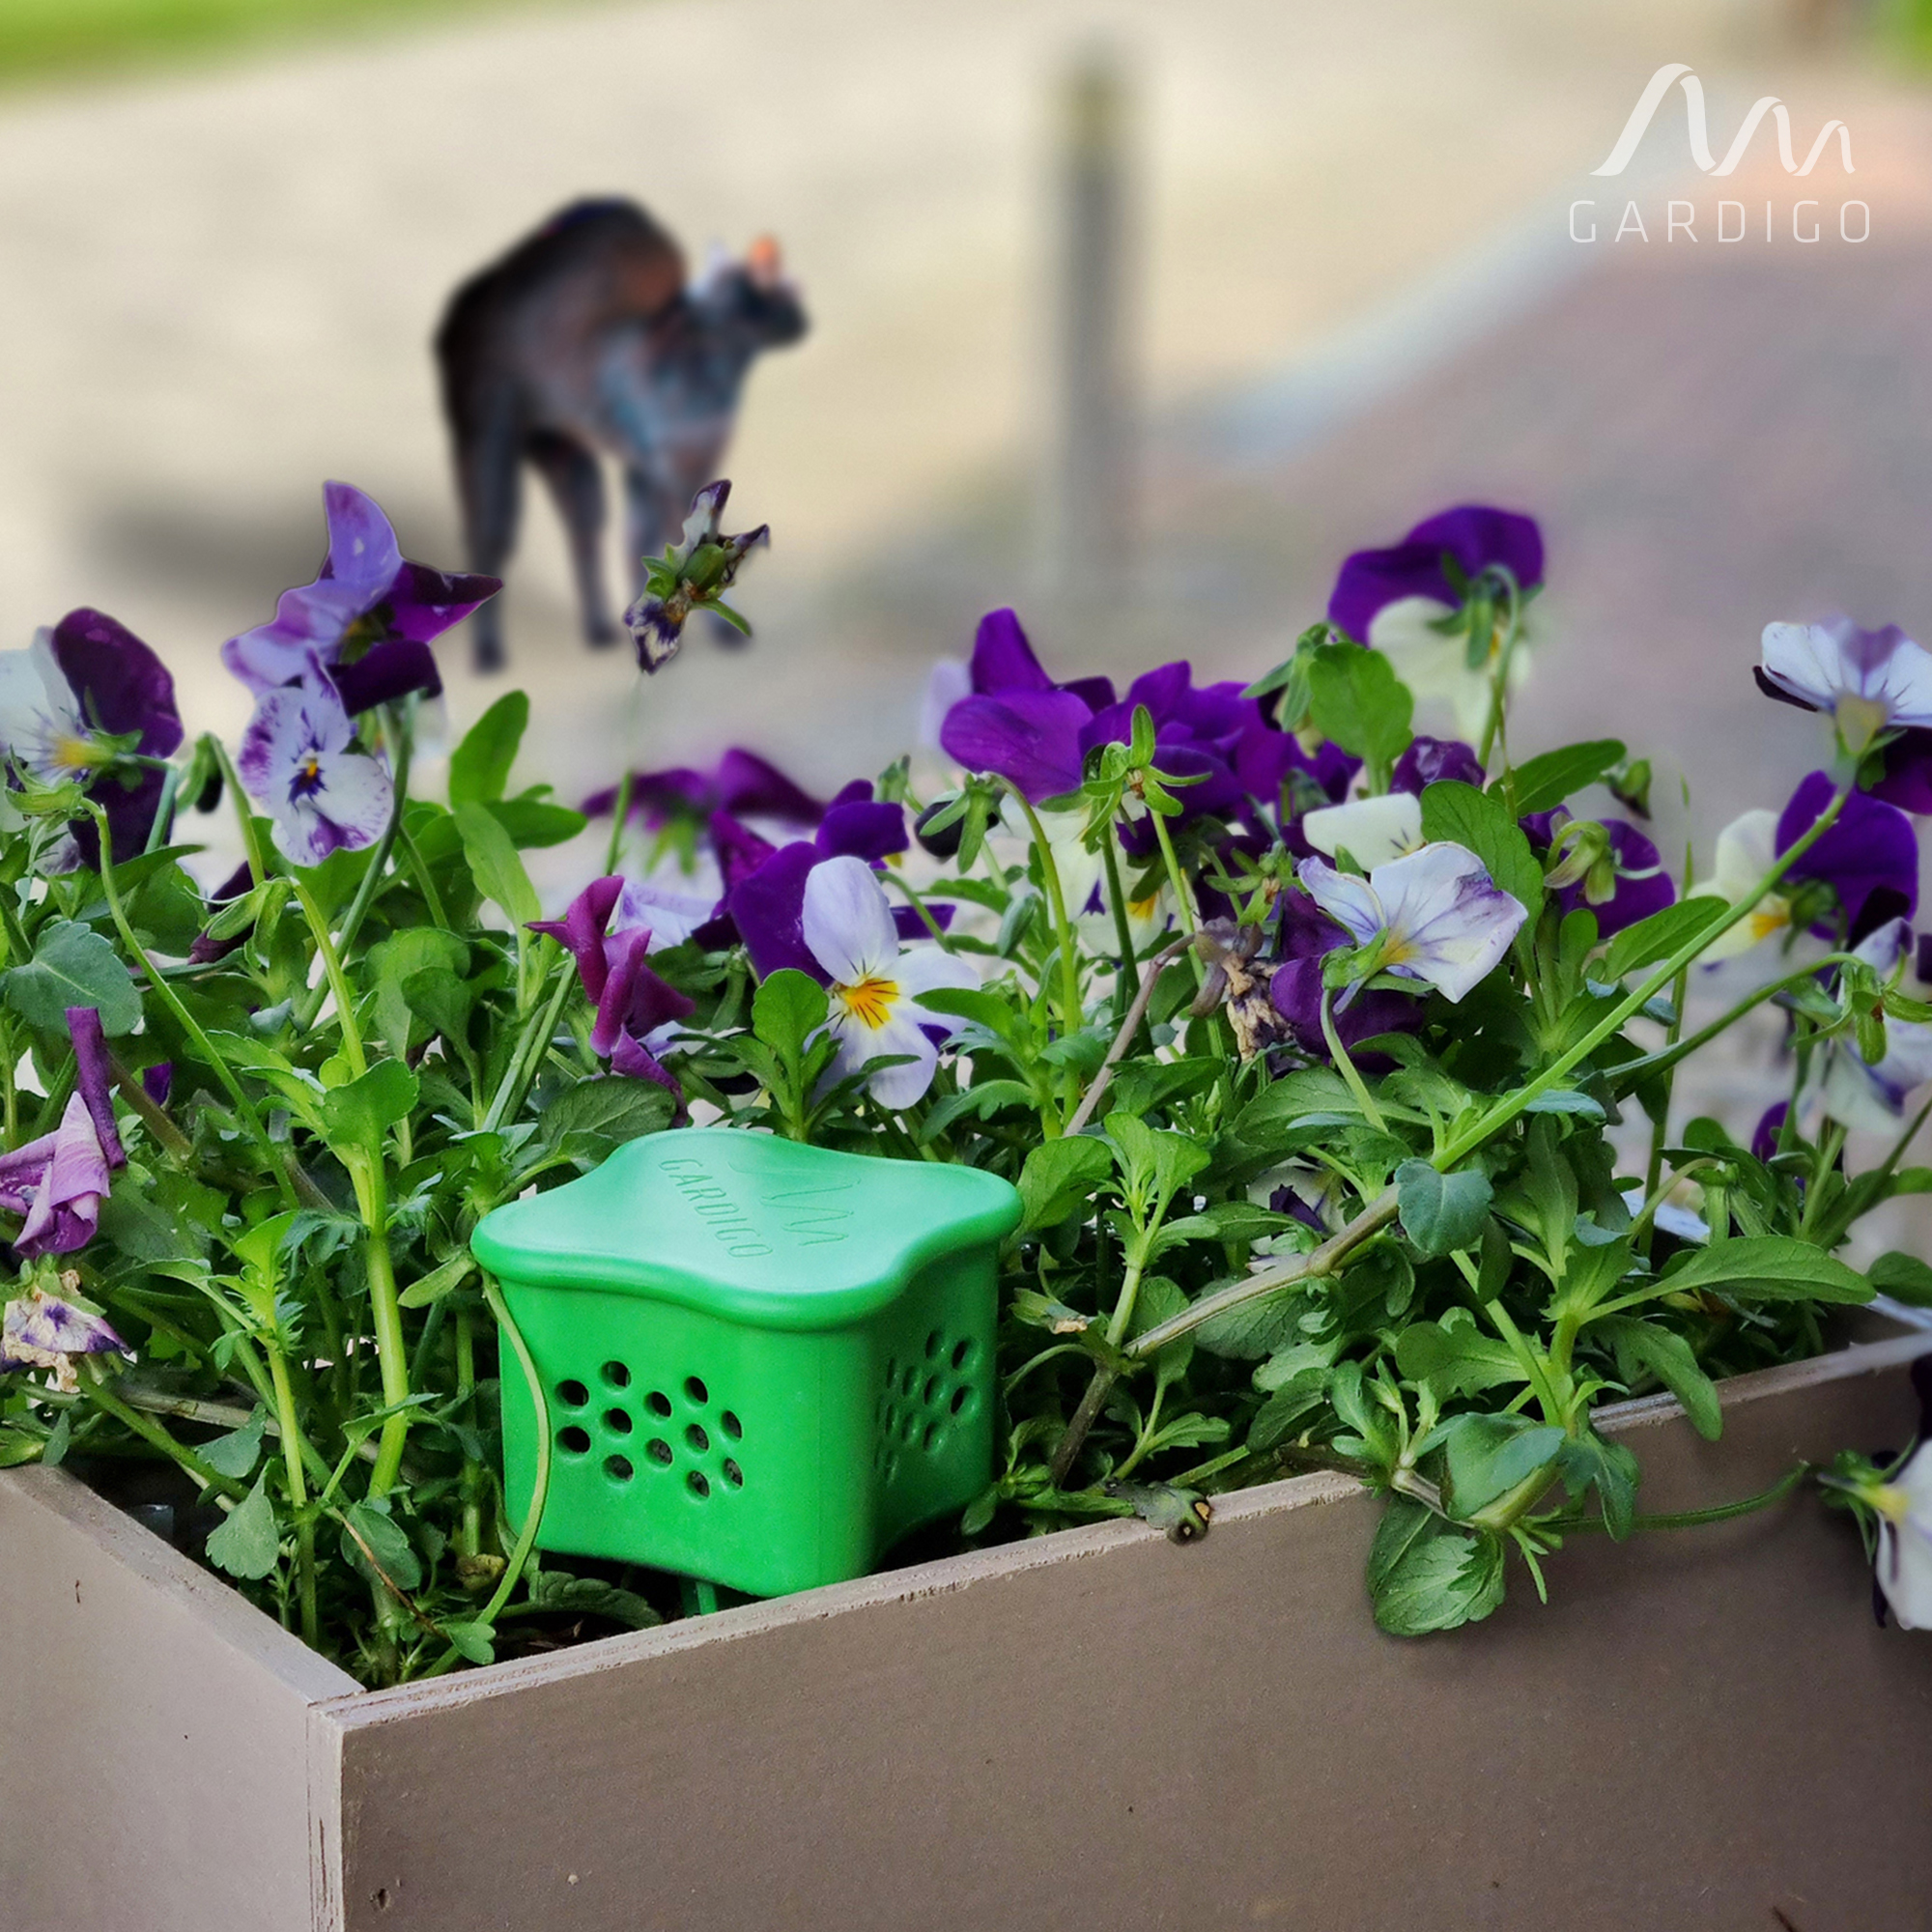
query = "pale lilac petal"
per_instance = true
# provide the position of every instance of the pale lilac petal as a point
(1348, 900)
(1905, 1548)
(847, 922)
(1448, 922)
(893, 1087)
(947, 684)
(927, 969)
(671, 916)
(1370, 830)
(66, 1202)
(362, 548)
(1826, 665)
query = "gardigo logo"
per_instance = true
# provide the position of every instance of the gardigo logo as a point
(1730, 221)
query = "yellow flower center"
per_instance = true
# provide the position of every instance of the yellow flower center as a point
(870, 1001)
(1859, 720)
(71, 752)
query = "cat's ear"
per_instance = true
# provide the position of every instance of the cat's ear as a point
(718, 264)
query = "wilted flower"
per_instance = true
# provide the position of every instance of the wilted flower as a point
(57, 1182)
(693, 575)
(298, 760)
(366, 619)
(1407, 601)
(40, 1330)
(1237, 979)
(93, 1077)
(87, 681)
(874, 986)
(1869, 681)
(1435, 915)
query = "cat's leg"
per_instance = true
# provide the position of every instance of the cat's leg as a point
(577, 484)
(490, 484)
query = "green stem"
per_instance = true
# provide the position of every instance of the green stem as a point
(1667, 1057)
(1124, 932)
(150, 1430)
(469, 1531)
(1692, 1519)
(1063, 927)
(517, 1076)
(615, 849)
(403, 725)
(1499, 679)
(1346, 1067)
(419, 870)
(251, 847)
(182, 1017)
(1184, 892)
(334, 981)
(298, 1482)
(385, 1309)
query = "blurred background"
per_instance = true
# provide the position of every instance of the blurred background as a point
(1136, 316)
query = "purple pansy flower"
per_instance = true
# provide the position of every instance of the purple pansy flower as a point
(87, 679)
(694, 574)
(44, 1331)
(1608, 868)
(875, 988)
(367, 619)
(1764, 1136)
(1431, 761)
(158, 1080)
(1306, 935)
(93, 1077)
(1435, 915)
(1867, 681)
(57, 1182)
(1871, 849)
(1018, 722)
(1475, 536)
(298, 760)
(628, 995)
(743, 784)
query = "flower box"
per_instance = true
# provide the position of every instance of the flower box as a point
(1094, 1728)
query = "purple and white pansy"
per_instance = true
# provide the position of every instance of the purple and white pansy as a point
(1866, 682)
(299, 761)
(367, 619)
(39, 1330)
(57, 1182)
(1434, 915)
(875, 985)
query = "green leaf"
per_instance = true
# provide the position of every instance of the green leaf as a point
(1184, 1513)
(585, 1121)
(1059, 1179)
(247, 1542)
(73, 966)
(1565, 1100)
(536, 821)
(234, 1454)
(787, 1011)
(357, 1114)
(1487, 1460)
(1442, 1213)
(1427, 1574)
(371, 1532)
(479, 768)
(1767, 1267)
(471, 1641)
(1286, 1410)
(1160, 1300)
(438, 1282)
(442, 1002)
(1642, 1348)
(1357, 699)
(590, 1596)
(494, 864)
(1253, 1329)
(1656, 938)
(1468, 817)
(1552, 776)
(1903, 1277)
(1452, 1356)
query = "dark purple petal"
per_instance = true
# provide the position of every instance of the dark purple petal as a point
(422, 602)
(1871, 846)
(121, 685)
(637, 1061)
(581, 930)
(1908, 772)
(129, 808)
(1779, 691)
(1031, 738)
(1479, 536)
(1002, 659)
(740, 850)
(68, 1194)
(1474, 534)
(908, 924)
(769, 909)
(158, 1080)
(93, 1079)
(864, 829)
(1431, 761)
(1764, 1136)
(386, 671)
(1295, 991)
(749, 786)
(633, 997)
(1096, 693)
(205, 951)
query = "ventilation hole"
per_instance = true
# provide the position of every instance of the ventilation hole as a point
(696, 1391)
(892, 1368)
(908, 1381)
(658, 1403)
(731, 1426)
(616, 1422)
(573, 1441)
(960, 1397)
(960, 1351)
(658, 1450)
(696, 1437)
(616, 1374)
(933, 1341)
(733, 1475)
(931, 1391)
(929, 1442)
(698, 1483)
(909, 1429)
(618, 1468)
(573, 1395)
(891, 1467)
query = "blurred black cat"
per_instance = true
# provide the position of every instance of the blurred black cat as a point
(586, 336)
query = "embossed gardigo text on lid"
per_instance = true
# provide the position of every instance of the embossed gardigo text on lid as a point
(749, 1224)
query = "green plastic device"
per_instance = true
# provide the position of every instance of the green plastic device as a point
(763, 1363)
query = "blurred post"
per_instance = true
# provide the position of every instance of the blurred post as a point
(1092, 478)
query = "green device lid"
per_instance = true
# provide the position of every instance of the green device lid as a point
(748, 1226)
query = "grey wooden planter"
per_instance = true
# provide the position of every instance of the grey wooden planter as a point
(1095, 1729)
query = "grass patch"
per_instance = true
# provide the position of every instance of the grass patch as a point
(52, 37)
